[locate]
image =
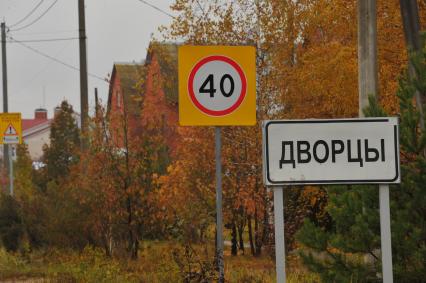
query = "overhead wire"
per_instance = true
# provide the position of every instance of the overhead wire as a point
(45, 40)
(47, 32)
(42, 70)
(29, 14)
(55, 59)
(38, 18)
(157, 8)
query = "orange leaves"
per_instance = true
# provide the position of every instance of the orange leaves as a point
(322, 84)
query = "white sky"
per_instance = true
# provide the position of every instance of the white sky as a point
(117, 31)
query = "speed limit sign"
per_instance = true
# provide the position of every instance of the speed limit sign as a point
(217, 85)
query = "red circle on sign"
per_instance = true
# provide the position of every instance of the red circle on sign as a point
(240, 73)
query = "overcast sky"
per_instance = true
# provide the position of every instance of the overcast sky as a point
(117, 31)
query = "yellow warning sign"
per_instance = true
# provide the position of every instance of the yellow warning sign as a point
(217, 85)
(10, 128)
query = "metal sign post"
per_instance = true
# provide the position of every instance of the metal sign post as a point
(385, 234)
(10, 171)
(279, 234)
(219, 225)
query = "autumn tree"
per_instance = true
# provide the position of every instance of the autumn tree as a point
(306, 68)
(28, 196)
(354, 210)
(14, 223)
(11, 227)
(246, 201)
(59, 220)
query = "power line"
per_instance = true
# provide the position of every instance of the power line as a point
(47, 32)
(55, 59)
(37, 19)
(29, 14)
(46, 66)
(45, 40)
(157, 8)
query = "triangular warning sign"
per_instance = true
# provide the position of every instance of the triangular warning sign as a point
(10, 131)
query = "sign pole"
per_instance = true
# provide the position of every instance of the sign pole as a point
(279, 234)
(219, 226)
(10, 170)
(385, 234)
(5, 93)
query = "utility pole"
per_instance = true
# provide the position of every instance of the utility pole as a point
(84, 101)
(96, 103)
(411, 23)
(368, 85)
(5, 100)
(367, 52)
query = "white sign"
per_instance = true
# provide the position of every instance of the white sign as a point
(342, 151)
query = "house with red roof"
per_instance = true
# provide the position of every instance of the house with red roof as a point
(36, 132)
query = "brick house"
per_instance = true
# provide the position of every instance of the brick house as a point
(124, 100)
(147, 94)
(160, 100)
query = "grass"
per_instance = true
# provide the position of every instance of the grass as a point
(155, 264)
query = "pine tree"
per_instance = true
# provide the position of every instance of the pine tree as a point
(350, 250)
(64, 143)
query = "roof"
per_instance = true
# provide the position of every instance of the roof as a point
(31, 123)
(34, 126)
(129, 75)
(167, 56)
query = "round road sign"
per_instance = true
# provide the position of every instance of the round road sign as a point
(217, 85)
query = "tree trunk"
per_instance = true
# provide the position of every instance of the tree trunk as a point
(234, 248)
(107, 239)
(250, 231)
(106, 248)
(257, 236)
(267, 234)
(133, 241)
(240, 229)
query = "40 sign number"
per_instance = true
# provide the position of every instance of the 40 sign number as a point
(217, 85)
